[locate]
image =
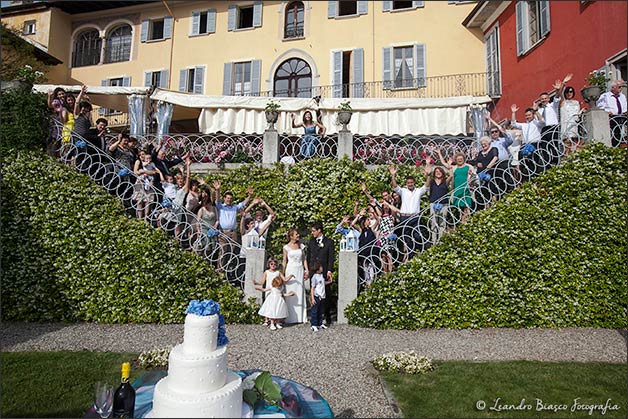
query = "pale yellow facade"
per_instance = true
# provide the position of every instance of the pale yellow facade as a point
(449, 47)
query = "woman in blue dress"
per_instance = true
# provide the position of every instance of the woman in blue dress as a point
(309, 141)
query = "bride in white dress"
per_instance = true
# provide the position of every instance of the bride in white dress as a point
(294, 263)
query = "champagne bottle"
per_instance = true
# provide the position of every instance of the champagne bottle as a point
(124, 397)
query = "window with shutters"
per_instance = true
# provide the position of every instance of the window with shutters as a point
(294, 20)
(293, 78)
(29, 27)
(203, 22)
(241, 79)
(348, 73)
(400, 5)
(156, 30)
(87, 46)
(347, 8)
(404, 67)
(118, 44)
(245, 17)
(493, 79)
(533, 23)
(403, 70)
(156, 79)
(191, 80)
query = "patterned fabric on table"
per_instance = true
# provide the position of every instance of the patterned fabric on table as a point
(298, 401)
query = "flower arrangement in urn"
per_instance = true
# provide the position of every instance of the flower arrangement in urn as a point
(344, 114)
(596, 84)
(272, 113)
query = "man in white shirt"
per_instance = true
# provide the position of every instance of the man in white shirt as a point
(550, 133)
(410, 195)
(614, 102)
(530, 134)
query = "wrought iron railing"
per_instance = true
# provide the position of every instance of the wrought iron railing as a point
(470, 84)
(619, 130)
(293, 148)
(207, 148)
(426, 228)
(142, 200)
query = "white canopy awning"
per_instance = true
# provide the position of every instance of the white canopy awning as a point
(110, 97)
(388, 116)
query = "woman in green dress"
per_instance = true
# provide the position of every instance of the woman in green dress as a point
(460, 174)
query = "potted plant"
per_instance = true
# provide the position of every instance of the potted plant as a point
(596, 84)
(272, 114)
(344, 114)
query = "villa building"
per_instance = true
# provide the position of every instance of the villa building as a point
(530, 44)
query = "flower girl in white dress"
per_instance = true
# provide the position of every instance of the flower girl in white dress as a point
(274, 307)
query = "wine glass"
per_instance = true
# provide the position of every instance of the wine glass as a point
(103, 399)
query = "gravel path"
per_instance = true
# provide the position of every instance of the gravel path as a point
(344, 378)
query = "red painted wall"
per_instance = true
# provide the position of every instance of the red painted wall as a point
(581, 38)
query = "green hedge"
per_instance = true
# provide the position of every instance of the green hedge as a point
(70, 253)
(552, 254)
(23, 120)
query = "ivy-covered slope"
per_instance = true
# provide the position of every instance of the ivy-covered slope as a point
(70, 253)
(552, 254)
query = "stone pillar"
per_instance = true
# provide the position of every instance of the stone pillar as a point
(347, 282)
(270, 153)
(345, 144)
(255, 266)
(597, 124)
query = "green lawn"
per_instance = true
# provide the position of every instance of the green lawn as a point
(521, 389)
(56, 384)
(60, 384)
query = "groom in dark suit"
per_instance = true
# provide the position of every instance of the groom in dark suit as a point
(321, 249)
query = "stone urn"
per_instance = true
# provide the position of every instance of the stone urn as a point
(271, 118)
(344, 117)
(591, 94)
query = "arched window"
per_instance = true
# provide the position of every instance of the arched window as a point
(294, 20)
(87, 48)
(118, 44)
(293, 78)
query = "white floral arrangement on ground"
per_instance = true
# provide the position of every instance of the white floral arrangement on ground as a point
(403, 362)
(154, 358)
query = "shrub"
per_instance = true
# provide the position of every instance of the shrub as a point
(23, 120)
(69, 253)
(552, 254)
(403, 362)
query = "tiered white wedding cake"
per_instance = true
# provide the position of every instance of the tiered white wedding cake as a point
(198, 384)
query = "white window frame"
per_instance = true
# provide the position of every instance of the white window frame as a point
(163, 76)
(244, 90)
(387, 6)
(419, 73)
(210, 26)
(493, 63)
(30, 27)
(522, 17)
(125, 81)
(614, 64)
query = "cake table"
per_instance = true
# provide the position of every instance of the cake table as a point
(298, 401)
